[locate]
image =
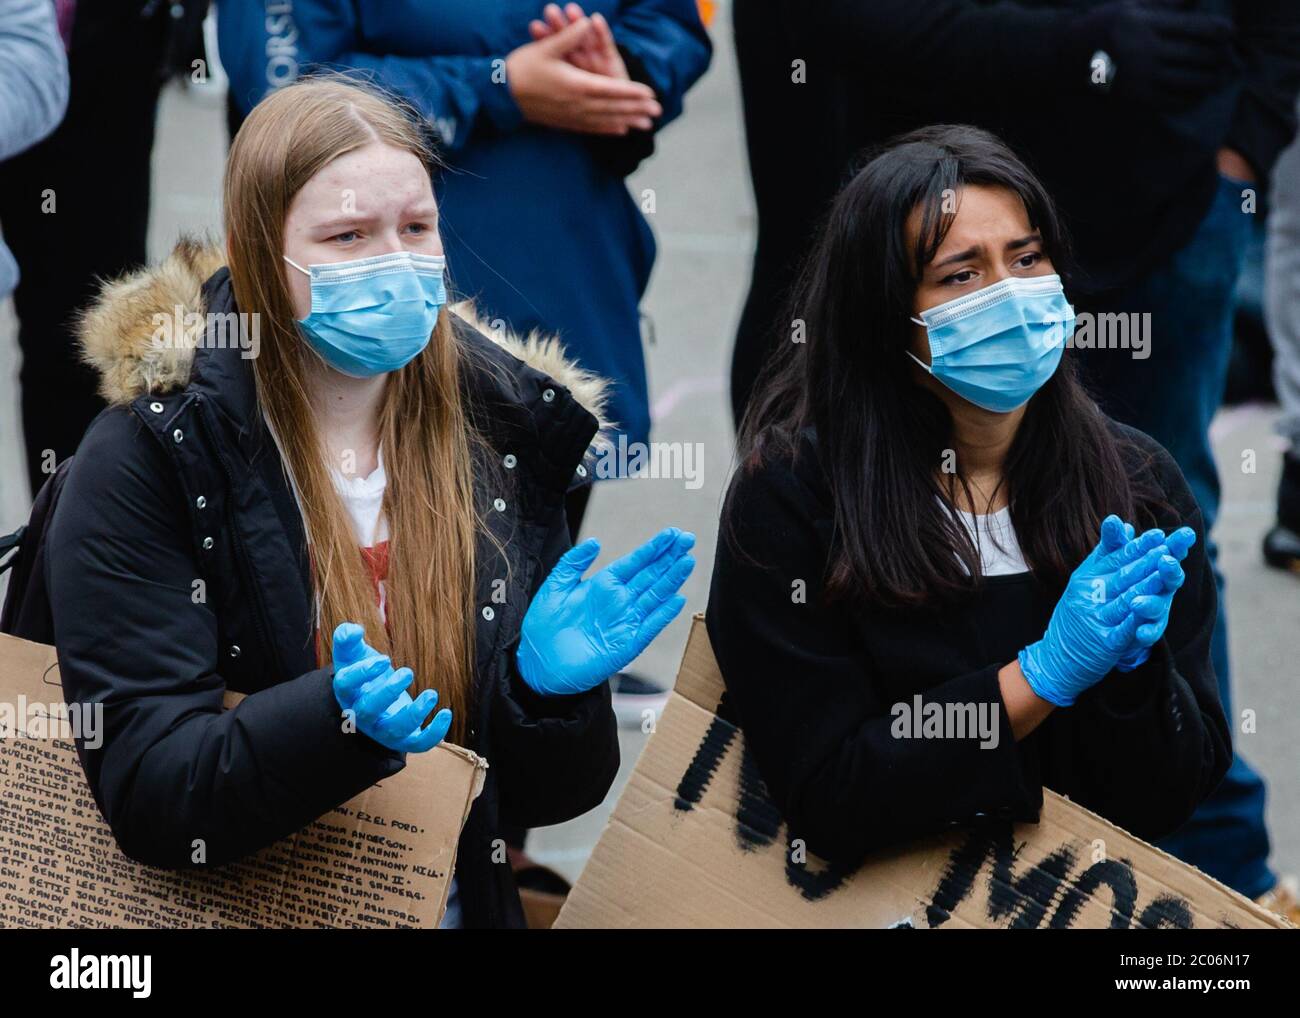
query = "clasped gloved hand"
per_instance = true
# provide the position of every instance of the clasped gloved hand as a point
(368, 687)
(1094, 624)
(1154, 596)
(577, 633)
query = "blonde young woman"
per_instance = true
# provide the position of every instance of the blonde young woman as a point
(355, 519)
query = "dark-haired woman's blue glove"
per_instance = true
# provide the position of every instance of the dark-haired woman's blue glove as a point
(374, 696)
(1093, 624)
(577, 633)
(1154, 597)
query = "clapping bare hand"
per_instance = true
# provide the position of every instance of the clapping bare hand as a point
(553, 91)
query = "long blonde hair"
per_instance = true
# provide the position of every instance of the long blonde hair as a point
(425, 433)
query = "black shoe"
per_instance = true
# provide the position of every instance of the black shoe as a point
(1282, 549)
(1282, 543)
(633, 695)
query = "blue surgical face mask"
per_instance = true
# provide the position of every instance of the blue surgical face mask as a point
(996, 347)
(373, 315)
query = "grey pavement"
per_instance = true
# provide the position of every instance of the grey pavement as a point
(703, 220)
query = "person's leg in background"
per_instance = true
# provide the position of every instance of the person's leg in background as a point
(74, 210)
(1250, 367)
(1172, 395)
(754, 333)
(755, 339)
(790, 194)
(1282, 315)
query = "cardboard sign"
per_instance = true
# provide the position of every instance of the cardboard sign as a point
(695, 842)
(384, 859)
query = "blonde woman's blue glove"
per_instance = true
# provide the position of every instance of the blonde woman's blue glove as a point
(368, 688)
(577, 633)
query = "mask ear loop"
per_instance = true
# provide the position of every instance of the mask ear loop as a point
(305, 272)
(924, 367)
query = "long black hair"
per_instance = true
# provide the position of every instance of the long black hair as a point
(881, 437)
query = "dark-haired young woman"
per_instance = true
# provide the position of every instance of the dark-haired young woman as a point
(945, 580)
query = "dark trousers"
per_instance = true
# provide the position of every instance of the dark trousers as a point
(790, 193)
(1172, 396)
(74, 210)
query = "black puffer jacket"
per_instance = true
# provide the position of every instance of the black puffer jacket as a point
(178, 482)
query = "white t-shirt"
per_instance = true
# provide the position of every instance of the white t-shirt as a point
(996, 540)
(363, 498)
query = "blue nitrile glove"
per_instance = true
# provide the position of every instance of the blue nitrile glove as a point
(1092, 624)
(577, 633)
(1155, 597)
(367, 686)
(350, 646)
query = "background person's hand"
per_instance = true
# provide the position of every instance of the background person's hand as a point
(1235, 166)
(554, 93)
(368, 688)
(1166, 57)
(577, 633)
(598, 53)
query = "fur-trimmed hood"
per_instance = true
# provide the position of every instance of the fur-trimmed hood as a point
(118, 333)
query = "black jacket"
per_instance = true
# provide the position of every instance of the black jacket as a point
(813, 686)
(176, 570)
(1132, 183)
